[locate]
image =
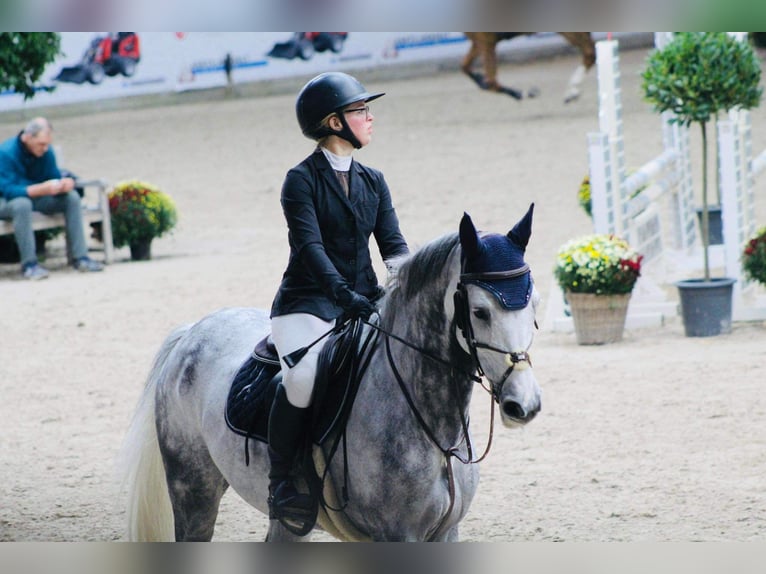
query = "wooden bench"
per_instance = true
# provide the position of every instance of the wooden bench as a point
(95, 209)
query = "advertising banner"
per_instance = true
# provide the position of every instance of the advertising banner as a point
(96, 66)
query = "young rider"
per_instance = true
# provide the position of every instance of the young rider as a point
(332, 204)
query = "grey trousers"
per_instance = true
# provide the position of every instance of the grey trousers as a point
(20, 209)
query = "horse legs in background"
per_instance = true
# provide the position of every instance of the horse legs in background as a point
(483, 45)
(584, 42)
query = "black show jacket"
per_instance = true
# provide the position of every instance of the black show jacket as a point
(329, 236)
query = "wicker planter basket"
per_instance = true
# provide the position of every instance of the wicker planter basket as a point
(598, 319)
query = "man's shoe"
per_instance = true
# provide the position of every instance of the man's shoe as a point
(86, 264)
(34, 271)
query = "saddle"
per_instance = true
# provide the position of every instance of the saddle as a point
(338, 373)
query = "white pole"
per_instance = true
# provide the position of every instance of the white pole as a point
(602, 193)
(610, 123)
(732, 200)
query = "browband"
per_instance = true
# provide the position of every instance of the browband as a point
(496, 275)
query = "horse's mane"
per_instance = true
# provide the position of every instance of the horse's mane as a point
(420, 273)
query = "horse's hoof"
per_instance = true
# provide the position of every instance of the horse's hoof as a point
(515, 94)
(571, 98)
(478, 79)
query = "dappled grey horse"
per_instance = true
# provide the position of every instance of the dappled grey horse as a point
(458, 311)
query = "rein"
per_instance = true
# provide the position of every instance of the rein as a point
(451, 452)
(447, 452)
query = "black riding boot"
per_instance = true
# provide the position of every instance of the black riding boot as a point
(295, 510)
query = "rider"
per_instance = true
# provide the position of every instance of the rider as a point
(332, 205)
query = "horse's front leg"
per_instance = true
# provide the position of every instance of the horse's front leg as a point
(483, 45)
(467, 64)
(490, 65)
(489, 56)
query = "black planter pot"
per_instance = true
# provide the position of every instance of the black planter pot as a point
(714, 224)
(706, 306)
(141, 251)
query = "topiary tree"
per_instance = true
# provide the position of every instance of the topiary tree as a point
(23, 58)
(695, 76)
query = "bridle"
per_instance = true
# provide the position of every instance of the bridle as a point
(513, 359)
(462, 321)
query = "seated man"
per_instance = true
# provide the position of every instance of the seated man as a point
(30, 181)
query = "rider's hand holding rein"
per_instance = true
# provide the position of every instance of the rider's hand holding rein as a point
(356, 305)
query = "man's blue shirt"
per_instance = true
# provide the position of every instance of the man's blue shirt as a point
(20, 169)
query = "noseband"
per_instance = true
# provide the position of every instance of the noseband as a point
(514, 359)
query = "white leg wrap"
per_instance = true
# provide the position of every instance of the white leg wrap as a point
(573, 89)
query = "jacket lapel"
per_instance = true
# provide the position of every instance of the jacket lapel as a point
(355, 184)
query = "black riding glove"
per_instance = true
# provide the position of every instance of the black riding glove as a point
(356, 305)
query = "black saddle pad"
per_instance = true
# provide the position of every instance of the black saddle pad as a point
(252, 392)
(254, 386)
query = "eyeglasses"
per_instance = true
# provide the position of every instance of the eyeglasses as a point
(365, 111)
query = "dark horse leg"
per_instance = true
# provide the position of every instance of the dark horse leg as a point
(195, 486)
(483, 45)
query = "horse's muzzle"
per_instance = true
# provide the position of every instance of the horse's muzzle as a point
(514, 414)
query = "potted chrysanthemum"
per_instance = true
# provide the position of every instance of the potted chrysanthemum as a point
(140, 212)
(754, 257)
(597, 274)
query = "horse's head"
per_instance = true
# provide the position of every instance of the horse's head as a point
(495, 304)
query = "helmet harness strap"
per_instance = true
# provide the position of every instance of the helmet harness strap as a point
(346, 132)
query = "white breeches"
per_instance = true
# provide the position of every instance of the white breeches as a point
(291, 332)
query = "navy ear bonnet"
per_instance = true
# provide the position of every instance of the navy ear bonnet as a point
(496, 262)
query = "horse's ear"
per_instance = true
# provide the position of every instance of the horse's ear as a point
(469, 238)
(523, 229)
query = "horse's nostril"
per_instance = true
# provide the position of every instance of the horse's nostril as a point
(514, 410)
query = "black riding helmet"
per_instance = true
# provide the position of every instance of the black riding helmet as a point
(326, 94)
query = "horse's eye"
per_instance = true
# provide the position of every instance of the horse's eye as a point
(481, 314)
